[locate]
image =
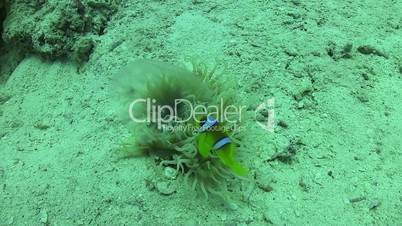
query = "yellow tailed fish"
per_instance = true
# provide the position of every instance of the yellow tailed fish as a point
(217, 141)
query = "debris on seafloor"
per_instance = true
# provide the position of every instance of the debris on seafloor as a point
(286, 156)
(370, 50)
(374, 204)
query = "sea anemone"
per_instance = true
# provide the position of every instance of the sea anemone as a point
(162, 85)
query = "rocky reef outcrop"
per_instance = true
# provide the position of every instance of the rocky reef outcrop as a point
(56, 29)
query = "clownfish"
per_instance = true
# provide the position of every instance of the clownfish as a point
(214, 139)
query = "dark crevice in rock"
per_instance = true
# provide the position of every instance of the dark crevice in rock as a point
(3, 14)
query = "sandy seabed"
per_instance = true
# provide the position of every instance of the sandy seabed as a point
(334, 69)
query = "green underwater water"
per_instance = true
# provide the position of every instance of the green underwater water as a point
(320, 140)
